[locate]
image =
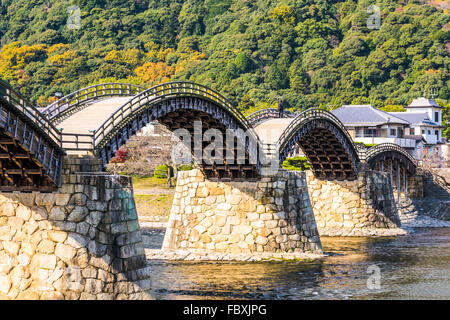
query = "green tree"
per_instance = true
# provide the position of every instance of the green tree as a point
(191, 18)
(393, 108)
(243, 62)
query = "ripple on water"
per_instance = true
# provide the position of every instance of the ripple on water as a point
(413, 266)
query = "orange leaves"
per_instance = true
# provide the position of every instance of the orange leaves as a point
(158, 70)
(62, 59)
(131, 56)
(52, 99)
(42, 101)
(151, 72)
(25, 54)
(13, 59)
(58, 48)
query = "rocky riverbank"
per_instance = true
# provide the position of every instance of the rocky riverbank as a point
(426, 212)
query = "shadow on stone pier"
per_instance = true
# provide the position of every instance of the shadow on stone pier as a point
(362, 207)
(81, 242)
(273, 214)
(281, 213)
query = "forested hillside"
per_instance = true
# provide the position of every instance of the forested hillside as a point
(311, 52)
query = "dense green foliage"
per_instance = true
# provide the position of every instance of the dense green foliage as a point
(367, 145)
(393, 108)
(445, 118)
(161, 171)
(314, 53)
(296, 163)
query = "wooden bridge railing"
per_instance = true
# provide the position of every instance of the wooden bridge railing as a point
(385, 147)
(32, 113)
(308, 115)
(77, 141)
(71, 102)
(361, 150)
(35, 133)
(260, 115)
(164, 91)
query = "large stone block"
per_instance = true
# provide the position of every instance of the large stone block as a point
(65, 252)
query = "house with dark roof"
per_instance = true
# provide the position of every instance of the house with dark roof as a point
(421, 123)
(370, 125)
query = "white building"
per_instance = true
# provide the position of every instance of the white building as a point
(370, 125)
(425, 117)
(420, 124)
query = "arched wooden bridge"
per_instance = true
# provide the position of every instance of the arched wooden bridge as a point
(395, 161)
(260, 116)
(80, 99)
(30, 146)
(101, 118)
(325, 142)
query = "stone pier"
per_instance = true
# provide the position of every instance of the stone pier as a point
(363, 207)
(81, 242)
(271, 215)
(416, 186)
(281, 213)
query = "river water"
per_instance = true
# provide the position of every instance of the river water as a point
(413, 266)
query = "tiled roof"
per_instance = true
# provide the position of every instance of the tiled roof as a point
(365, 115)
(424, 103)
(415, 118)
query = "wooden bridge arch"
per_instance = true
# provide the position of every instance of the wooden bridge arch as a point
(260, 116)
(76, 101)
(395, 161)
(178, 105)
(30, 146)
(326, 143)
(378, 154)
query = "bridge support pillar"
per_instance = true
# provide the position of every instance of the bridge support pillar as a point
(362, 207)
(415, 186)
(273, 214)
(81, 242)
(405, 181)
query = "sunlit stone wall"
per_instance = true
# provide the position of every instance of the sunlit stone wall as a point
(362, 207)
(82, 242)
(270, 215)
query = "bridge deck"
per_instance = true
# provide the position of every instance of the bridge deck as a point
(270, 131)
(91, 117)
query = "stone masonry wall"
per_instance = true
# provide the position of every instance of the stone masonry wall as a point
(271, 215)
(82, 242)
(362, 207)
(416, 186)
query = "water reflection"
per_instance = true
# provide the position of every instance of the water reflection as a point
(415, 266)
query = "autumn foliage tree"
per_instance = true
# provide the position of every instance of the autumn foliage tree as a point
(313, 52)
(151, 72)
(121, 156)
